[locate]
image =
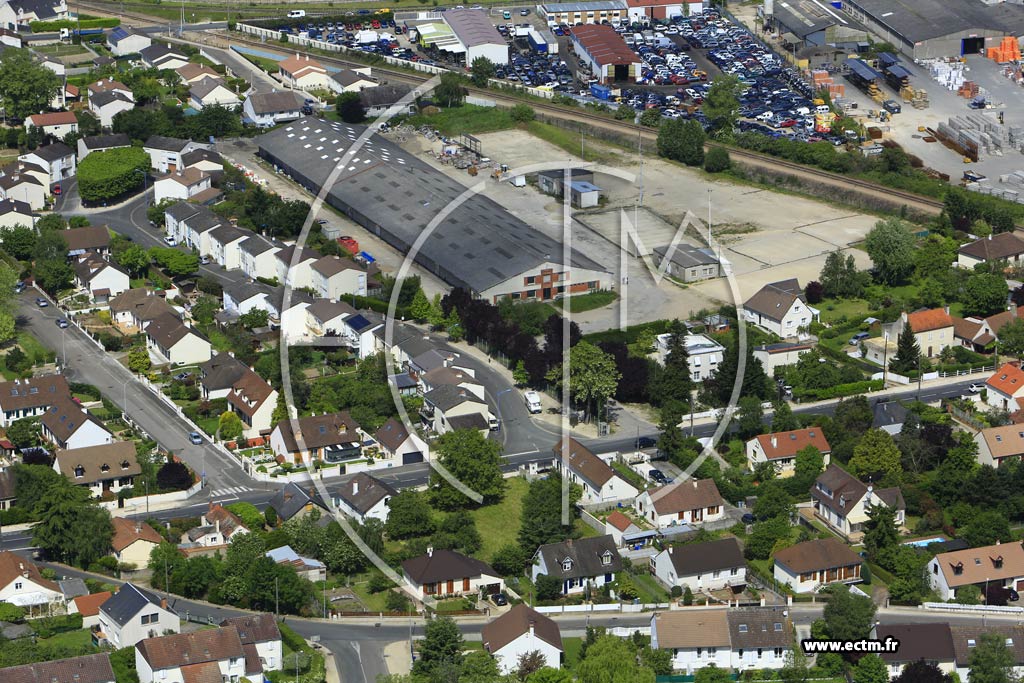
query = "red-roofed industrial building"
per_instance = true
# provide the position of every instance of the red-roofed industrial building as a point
(606, 54)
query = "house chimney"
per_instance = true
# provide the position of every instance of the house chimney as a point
(694, 481)
(532, 623)
(430, 551)
(946, 308)
(355, 487)
(216, 525)
(163, 603)
(670, 550)
(775, 441)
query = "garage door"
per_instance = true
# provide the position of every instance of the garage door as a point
(410, 458)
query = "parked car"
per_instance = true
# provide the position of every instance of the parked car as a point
(182, 376)
(499, 599)
(62, 323)
(748, 518)
(204, 260)
(170, 241)
(41, 302)
(195, 437)
(858, 338)
(646, 442)
(657, 476)
(975, 388)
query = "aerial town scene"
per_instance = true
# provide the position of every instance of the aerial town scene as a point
(603, 341)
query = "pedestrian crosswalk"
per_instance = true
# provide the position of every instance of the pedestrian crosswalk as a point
(231, 491)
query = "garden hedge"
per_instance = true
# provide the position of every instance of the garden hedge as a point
(112, 173)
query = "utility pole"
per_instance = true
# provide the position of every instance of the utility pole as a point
(277, 608)
(885, 358)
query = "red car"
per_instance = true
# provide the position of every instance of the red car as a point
(56, 190)
(788, 123)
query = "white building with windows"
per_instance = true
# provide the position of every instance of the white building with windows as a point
(133, 614)
(779, 308)
(705, 354)
(702, 566)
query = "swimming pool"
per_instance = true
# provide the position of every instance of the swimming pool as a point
(924, 542)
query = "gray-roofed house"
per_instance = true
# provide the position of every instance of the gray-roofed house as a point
(581, 466)
(377, 101)
(165, 153)
(243, 296)
(334, 277)
(363, 497)
(759, 637)
(193, 227)
(93, 668)
(807, 566)
(842, 502)
(257, 257)
(206, 160)
(269, 109)
(100, 279)
(125, 41)
(72, 588)
(163, 56)
(441, 573)
(133, 614)
(449, 407)
(295, 501)
(24, 12)
(26, 187)
(351, 80)
(713, 565)
(219, 374)
(106, 105)
(295, 269)
(175, 342)
(66, 424)
(93, 239)
(14, 212)
(57, 158)
(259, 633)
(212, 92)
(398, 443)
(932, 643)
(686, 501)
(779, 308)
(99, 143)
(579, 563)
(518, 261)
(689, 263)
(135, 309)
(224, 245)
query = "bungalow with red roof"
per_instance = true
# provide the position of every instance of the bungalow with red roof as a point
(89, 607)
(618, 525)
(781, 448)
(303, 73)
(687, 501)
(980, 334)
(1005, 387)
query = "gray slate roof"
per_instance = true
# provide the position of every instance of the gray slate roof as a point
(586, 556)
(447, 396)
(126, 603)
(288, 501)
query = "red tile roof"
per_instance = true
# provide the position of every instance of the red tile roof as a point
(57, 118)
(788, 444)
(934, 319)
(89, 605)
(619, 520)
(603, 44)
(126, 532)
(1008, 379)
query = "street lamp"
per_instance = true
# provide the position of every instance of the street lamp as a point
(145, 180)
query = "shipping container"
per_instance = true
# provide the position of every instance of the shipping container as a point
(601, 92)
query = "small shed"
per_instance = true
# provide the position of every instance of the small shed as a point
(584, 195)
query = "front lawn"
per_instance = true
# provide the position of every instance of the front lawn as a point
(78, 642)
(571, 647)
(650, 591)
(589, 302)
(374, 602)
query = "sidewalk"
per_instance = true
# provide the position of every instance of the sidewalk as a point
(397, 658)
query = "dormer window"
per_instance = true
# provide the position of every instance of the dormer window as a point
(606, 558)
(842, 501)
(104, 467)
(79, 471)
(35, 390)
(124, 464)
(778, 626)
(567, 565)
(743, 628)
(958, 568)
(971, 642)
(997, 562)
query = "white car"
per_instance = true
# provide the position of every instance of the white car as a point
(975, 388)
(170, 241)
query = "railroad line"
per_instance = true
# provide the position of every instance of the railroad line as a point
(872, 190)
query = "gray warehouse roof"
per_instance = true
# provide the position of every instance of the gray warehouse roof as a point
(473, 27)
(918, 20)
(478, 245)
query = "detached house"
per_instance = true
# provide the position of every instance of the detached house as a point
(181, 184)
(108, 104)
(56, 158)
(253, 400)
(306, 567)
(123, 42)
(133, 541)
(260, 636)
(399, 444)
(780, 308)
(931, 643)
(58, 124)
(134, 309)
(351, 80)
(133, 614)
(781, 448)
(1006, 246)
(1000, 565)
(689, 501)
(194, 73)
(196, 657)
(30, 397)
(89, 240)
(266, 110)
(163, 57)
(600, 482)
(618, 525)
(217, 528)
(933, 330)
(176, 343)
(702, 566)
(303, 73)
(363, 497)
(444, 573)
(165, 153)
(334, 437)
(212, 91)
(218, 375)
(696, 638)
(14, 213)
(806, 567)
(579, 564)
(450, 407)
(65, 424)
(101, 143)
(296, 501)
(1005, 388)
(997, 445)
(23, 585)
(101, 279)
(519, 631)
(85, 669)
(842, 502)
(780, 355)
(102, 469)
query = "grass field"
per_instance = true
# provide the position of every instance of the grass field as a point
(74, 641)
(374, 602)
(268, 65)
(62, 50)
(650, 590)
(468, 118)
(499, 524)
(589, 302)
(571, 647)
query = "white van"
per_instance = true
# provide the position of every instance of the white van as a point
(532, 399)
(296, 14)
(822, 109)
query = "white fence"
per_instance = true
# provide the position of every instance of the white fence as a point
(133, 505)
(611, 607)
(981, 609)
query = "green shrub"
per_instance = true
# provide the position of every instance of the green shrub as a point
(54, 26)
(47, 627)
(112, 173)
(717, 160)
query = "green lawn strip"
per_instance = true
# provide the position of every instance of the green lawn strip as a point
(569, 140)
(74, 641)
(649, 589)
(469, 118)
(588, 302)
(374, 602)
(499, 524)
(584, 530)
(571, 647)
(33, 348)
(265, 63)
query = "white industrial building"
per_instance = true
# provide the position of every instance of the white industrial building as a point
(467, 32)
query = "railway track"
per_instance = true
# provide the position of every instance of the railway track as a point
(846, 184)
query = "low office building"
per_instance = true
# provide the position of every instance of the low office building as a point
(589, 12)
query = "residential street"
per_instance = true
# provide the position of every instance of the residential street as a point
(86, 362)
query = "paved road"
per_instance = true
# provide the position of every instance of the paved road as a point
(86, 362)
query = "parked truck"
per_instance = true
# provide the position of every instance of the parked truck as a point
(532, 399)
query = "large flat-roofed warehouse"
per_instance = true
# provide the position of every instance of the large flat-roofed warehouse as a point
(594, 12)
(606, 53)
(479, 246)
(464, 32)
(926, 29)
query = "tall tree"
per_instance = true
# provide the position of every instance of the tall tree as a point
(541, 518)
(473, 460)
(482, 70)
(722, 104)
(612, 660)
(871, 669)
(27, 86)
(72, 528)
(349, 106)
(593, 376)
(783, 419)
(750, 417)
(808, 464)
(409, 515)
(440, 650)
(992, 661)
(984, 294)
(450, 92)
(908, 352)
(848, 616)
(876, 458)
(675, 382)
(880, 532)
(681, 140)
(922, 672)
(891, 248)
